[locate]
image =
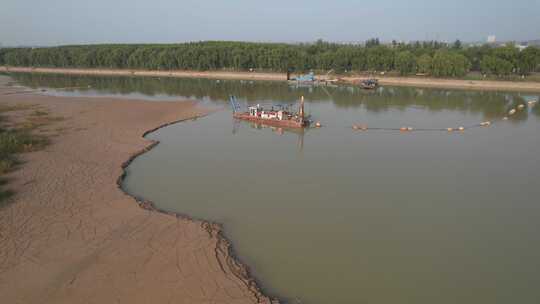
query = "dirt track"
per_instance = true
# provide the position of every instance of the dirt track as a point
(72, 236)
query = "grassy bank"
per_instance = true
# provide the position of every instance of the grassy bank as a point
(15, 140)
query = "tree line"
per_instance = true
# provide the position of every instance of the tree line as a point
(431, 57)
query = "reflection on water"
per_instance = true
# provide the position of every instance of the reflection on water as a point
(299, 133)
(490, 104)
(355, 217)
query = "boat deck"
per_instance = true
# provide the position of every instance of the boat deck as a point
(286, 123)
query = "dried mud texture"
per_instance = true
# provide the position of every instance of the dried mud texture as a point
(71, 235)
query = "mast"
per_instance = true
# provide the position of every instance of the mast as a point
(301, 110)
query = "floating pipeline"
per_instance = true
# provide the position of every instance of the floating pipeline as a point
(411, 129)
(364, 127)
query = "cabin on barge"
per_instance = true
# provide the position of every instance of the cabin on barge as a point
(274, 117)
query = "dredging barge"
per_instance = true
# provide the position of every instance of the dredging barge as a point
(280, 117)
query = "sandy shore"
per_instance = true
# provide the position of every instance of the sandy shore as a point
(71, 235)
(396, 81)
(457, 84)
(125, 72)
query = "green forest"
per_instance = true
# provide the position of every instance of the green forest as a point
(429, 58)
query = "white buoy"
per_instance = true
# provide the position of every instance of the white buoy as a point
(461, 129)
(512, 112)
(485, 123)
(521, 106)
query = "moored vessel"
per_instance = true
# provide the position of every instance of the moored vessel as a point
(370, 83)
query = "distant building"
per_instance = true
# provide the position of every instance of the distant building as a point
(491, 39)
(522, 46)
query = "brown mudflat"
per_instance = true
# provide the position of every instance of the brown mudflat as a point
(71, 235)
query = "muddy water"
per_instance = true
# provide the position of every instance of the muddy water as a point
(333, 215)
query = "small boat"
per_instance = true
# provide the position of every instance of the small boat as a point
(370, 83)
(306, 79)
(280, 117)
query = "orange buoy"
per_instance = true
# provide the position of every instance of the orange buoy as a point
(403, 129)
(318, 124)
(449, 129)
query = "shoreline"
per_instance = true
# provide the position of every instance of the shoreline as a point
(492, 85)
(71, 235)
(214, 229)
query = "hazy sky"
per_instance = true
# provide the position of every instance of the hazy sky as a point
(52, 22)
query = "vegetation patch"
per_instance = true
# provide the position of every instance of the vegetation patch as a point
(433, 58)
(39, 113)
(13, 141)
(9, 108)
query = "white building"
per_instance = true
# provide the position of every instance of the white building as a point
(491, 39)
(521, 46)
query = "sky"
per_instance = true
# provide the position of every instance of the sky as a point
(58, 22)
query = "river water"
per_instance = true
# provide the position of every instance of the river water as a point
(335, 215)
